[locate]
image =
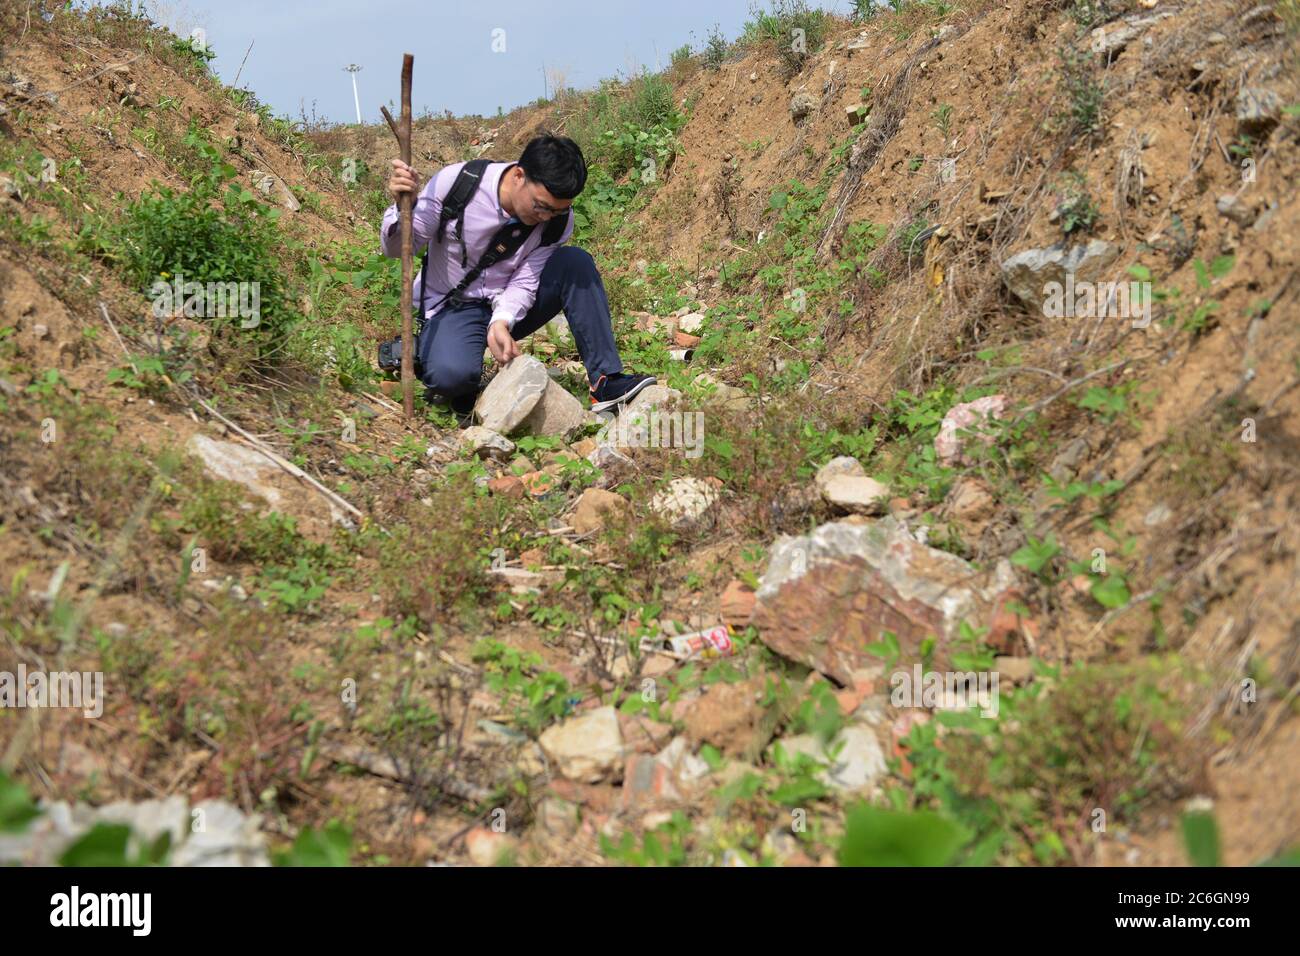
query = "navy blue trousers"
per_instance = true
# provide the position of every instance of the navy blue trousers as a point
(451, 345)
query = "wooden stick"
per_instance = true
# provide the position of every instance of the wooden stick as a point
(243, 61)
(405, 205)
(288, 466)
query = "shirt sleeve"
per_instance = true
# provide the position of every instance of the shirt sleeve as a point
(521, 291)
(424, 218)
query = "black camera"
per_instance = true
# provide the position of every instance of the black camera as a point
(390, 357)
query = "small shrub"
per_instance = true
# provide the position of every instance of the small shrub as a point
(1085, 93)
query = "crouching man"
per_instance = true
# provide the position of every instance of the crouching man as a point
(497, 268)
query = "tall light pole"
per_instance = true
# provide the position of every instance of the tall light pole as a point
(354, 70)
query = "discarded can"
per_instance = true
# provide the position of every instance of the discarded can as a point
(681, 355)
(715, 642)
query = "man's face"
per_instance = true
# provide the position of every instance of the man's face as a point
(535, 203)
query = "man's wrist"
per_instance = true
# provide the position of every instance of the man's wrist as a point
(501, 316)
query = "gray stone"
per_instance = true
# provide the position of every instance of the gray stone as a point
(858, 764)
(558, 413)
(719, 393)
(1066, 463)
(802, 104)
(268, 183)
(1027, 273)
(512, 395)
(1111, 39)
(1232, 208)
(1258, 109)
(486, 443)
(607, 455)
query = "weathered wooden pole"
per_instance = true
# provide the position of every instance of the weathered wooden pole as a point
(405, 205)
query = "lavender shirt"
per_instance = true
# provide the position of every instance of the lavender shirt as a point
(511, 284)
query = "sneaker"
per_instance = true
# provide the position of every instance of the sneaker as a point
(612, 390)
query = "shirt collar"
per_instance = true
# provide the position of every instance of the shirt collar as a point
(496, 186)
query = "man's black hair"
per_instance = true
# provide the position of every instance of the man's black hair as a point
(556, 162)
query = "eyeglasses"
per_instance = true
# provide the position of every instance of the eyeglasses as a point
(540, 207)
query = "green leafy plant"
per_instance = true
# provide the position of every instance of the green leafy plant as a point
(878, 837)
(329, 846)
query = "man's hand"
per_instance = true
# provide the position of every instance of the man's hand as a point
(403, 179)
(501, 343)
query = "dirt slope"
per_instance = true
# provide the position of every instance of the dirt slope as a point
(965, 156)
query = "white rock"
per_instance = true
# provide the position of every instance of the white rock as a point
(679, 760)
(237, 463)
(588, 748)
(220, 835)
(843, 465)
(856, 493)
(691, 323)
(684, 502)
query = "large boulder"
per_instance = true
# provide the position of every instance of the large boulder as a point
(827, 595)
(512, 395)
(1028, 273)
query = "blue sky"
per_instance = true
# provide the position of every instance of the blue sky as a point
(300, 48)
